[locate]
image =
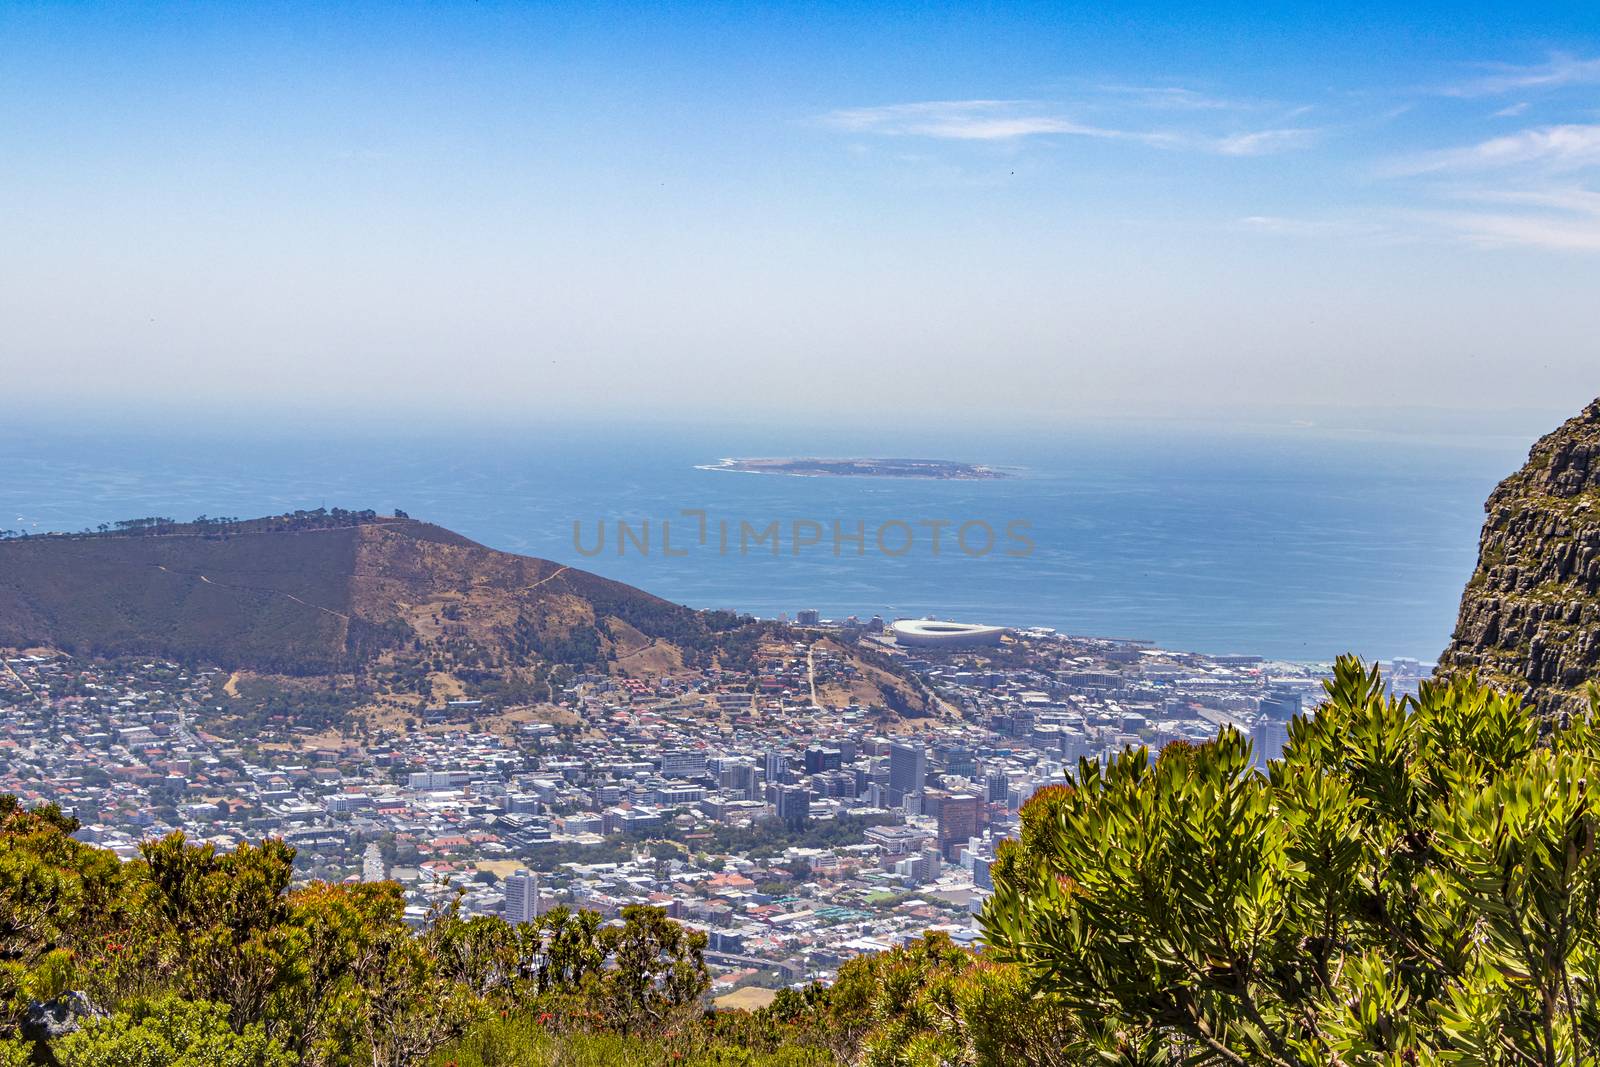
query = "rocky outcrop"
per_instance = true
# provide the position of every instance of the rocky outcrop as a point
(47, 1020)
(1530, 616)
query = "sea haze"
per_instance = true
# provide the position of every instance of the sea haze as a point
(1291, 543)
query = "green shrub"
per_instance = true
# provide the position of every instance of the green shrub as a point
(521, 1041)
(170, 1033)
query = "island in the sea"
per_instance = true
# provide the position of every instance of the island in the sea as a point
(811, 467)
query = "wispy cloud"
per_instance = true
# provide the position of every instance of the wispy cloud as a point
(1280, 226)
(1009, 120)
(959, 120)
(1562, 219)
(1508, 229)
(1263, 142)
(1560, 70)
(1576, 199)
(1172, 98)
(1532, 184)
(1530, 188)
(1566, 147)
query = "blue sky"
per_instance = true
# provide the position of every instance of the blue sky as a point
(813, 210)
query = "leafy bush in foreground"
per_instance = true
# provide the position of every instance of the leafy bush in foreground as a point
(1415, 881)
(522, 1040)
(172, 1033)
(211, 957)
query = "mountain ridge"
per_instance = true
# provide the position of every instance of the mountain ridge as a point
(318, 592)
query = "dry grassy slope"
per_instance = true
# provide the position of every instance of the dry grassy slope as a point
(443, 586)
(882, 682)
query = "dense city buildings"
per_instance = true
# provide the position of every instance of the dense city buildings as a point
(768, 807)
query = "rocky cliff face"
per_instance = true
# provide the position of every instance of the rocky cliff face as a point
(1530, 616)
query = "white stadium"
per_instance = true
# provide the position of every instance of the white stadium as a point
(933, 632)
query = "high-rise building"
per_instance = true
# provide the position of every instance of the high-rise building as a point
(1278, 706)
(1268, 739)
(819, 759)
(794, 805)
(736, 776)
(808, 617)
(776, 766)
(958, 822)
(999, 785)
(1280, 703)
(522, 897)
(908, 770)
(960, 762)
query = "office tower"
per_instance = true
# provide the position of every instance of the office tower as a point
(980, 872)
(1278, 706)
(736, 776)
(908, 770)
(999, 786)
(1268, 739)
(1280, 703)
(819, 759)
(794, 806)
(958, 822)
(522, 897)
(960, 762)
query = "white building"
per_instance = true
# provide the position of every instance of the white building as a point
(683, 764)
(522, 897)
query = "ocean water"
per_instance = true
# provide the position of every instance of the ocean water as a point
(1289, 542)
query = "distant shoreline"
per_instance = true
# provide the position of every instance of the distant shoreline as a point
(861, 467)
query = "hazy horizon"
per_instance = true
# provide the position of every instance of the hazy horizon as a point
(500, 212)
